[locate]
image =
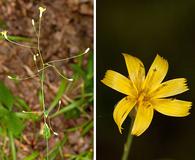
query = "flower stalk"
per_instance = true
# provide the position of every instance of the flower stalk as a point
(127, 145)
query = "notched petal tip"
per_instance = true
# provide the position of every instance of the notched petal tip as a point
(170, 88)
(129, 55)
(172, 107)
(156, 73)
(162, 59)
(186, 84)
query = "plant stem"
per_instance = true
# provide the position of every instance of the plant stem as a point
(13, 149)
(127, 145)
(42, 77)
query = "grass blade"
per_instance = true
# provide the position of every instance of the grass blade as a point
(69, 107)
(58, 96)
(12, 145)
(33, 156)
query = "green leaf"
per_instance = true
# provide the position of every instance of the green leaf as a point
(46, 113)
(19, 102)
(27, 115)
(1, 131)
(3, 111)
(87, 128)
(59, 95)
(54, 151)
(2, 24)
(74, 113)
(12, 144)
(13, 123)
(33, 156)
(78, 70)
(16, 38)
(90, 67)
(6, 97)
(46, 131)
(69, 107)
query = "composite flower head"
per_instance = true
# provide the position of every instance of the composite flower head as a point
(146, 93)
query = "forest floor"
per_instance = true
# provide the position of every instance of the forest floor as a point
(67, 30)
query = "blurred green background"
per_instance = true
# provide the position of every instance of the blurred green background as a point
(143, 29)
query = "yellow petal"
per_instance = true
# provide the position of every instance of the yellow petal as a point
(172, 107)
(170, 88)
(119, 82)
(122, 110)
(156, 73)
(142, 120)
(135, 69)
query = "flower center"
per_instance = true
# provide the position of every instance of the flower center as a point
(142, 97)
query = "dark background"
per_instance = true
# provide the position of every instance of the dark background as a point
(143, 29)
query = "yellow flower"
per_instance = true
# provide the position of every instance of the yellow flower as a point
(4, 34)
(41, 10)
(146, 94)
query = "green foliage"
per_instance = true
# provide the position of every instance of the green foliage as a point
(6, 98)
(12, 145)
(12, 117)
(56, 150)
(14, 111)
(32, 156)
(68, 108)
(87, 127)
(85, 73)
(13, 123)
(82, 156)
(74, 109)
(73, 113)
(2, 24)
(16, 38)
(21, 104)
(10, 120)
(59, 94)
(46, 131)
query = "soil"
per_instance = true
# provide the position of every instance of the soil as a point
(67, 29)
